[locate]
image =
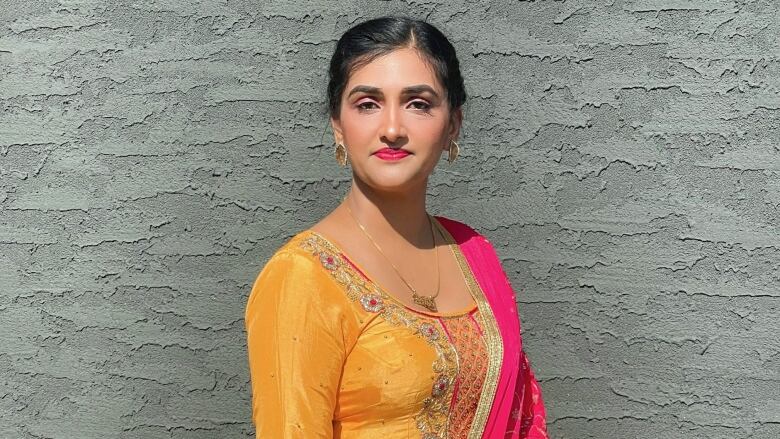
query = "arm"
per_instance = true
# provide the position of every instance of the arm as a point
(296, 348)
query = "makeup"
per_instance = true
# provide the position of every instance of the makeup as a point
(391, 154)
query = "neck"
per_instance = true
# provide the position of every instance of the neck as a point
(389, 217)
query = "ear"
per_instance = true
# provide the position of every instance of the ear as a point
(456, 119)
(337, 132)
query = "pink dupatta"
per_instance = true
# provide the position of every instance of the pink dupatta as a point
(518, 409)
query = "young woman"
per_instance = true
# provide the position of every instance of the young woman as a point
(381, 320)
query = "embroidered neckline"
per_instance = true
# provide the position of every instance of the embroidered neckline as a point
(433, 419)
(462, 312)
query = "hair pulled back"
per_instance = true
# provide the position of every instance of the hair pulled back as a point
(373, 38)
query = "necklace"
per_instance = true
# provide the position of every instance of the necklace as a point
(422, 300)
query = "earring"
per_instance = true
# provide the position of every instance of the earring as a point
(453, 152)
(341, 154)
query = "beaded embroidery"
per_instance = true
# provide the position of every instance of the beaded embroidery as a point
(372, 303)
(467, 339)
(440, 386)
(429, 331)
(432, 420)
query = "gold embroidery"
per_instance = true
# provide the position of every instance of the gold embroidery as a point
(491, 336)
(468, 342)
(433, 419)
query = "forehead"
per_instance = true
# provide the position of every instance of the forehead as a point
(395, 70)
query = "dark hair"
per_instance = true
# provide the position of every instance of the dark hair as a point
(376, 37)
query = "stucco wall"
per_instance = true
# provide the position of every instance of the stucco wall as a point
(622, 157)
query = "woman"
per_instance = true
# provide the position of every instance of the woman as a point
(382, 321)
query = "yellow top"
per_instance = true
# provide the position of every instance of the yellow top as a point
(332, 355)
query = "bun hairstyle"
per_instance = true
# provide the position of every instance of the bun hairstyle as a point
(370, 39)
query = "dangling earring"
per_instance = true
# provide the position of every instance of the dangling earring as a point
(453, 151)
(341, 154)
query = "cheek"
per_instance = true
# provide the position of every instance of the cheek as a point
(427, 132)
(421, 130)
(357, 128)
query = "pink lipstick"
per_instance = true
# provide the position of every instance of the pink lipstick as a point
(391, 154)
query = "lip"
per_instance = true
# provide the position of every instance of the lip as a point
(392, 154)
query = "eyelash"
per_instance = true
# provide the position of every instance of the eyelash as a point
(426, 108)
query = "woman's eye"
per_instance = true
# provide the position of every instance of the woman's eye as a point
(362, 105)
(418, 105)
(424, 106)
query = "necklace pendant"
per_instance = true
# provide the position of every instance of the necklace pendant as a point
(426, 301)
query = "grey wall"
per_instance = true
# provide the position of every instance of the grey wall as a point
(622, 157)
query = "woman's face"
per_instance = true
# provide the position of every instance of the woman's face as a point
(395, 101)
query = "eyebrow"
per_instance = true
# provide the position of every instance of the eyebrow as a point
(412, 89)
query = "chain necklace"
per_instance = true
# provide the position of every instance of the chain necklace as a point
(422, 300)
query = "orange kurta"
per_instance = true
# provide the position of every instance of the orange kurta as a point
(332, 355)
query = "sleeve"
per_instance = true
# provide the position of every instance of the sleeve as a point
(531, 410)
(296, 348)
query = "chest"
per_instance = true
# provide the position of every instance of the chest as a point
(426, 376)
(442, 276)
(440, 272)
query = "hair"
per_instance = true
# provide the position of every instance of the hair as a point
(370, 39)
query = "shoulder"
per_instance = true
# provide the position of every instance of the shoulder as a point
(291, 274)
(460, 230)
(471, 240)
(292, 263)
(295, 283)
(293, 256)
(301, 271)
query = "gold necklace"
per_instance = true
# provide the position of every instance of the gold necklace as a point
(422, 300)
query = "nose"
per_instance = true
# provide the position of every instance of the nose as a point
(392, 125)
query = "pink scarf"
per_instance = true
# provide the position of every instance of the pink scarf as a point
(518, 409)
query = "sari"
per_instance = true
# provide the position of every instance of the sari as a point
(333, 355)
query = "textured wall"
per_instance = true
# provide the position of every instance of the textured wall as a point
(622, 156)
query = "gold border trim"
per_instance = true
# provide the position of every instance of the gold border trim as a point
(493, 340)
(433, 420)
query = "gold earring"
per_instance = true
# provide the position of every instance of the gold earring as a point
(453, 152)
(341, 154)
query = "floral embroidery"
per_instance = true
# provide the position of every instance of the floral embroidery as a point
(440, 386)
(432, 420)
(371, 302)
(429, 331)
(328, 261)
